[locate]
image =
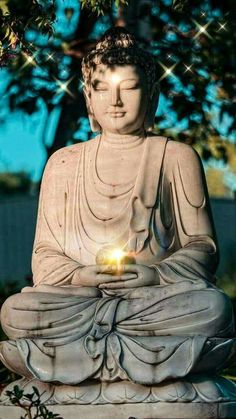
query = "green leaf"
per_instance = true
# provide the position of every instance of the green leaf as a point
(4, 6)
(36, 391)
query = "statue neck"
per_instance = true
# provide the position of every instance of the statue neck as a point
(123, 141)
(118, 157)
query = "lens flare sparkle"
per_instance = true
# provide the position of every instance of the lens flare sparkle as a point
(63, 87)
(222, 26)
(188, 68)
(168, 71)
(202, 29)
(29, 60)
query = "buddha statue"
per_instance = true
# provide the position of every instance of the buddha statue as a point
(156, 317)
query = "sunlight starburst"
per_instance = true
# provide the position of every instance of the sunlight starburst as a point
(63, 87)
(188, 68)
(222, 26)
(50, 57)
(202, 29)
(29, 60)
(81, 85)
(168, 71)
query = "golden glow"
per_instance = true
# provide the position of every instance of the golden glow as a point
(202, 29)
(29, 60)
(168, 71)
(115, 78)
(116, 258)
(117, 254)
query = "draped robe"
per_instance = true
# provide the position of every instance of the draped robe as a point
(184, 325)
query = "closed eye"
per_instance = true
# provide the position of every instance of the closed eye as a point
(131, 87)
(98, 86)
(101, 89)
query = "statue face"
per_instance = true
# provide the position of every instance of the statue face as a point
(119, 98)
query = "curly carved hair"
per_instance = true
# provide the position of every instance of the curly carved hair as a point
(118, 46)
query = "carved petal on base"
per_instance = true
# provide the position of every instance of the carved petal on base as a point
(214, 389)
(196, 389)
(85, 393)
(125, 392)
(174, 391)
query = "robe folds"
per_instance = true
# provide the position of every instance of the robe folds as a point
(68, 334)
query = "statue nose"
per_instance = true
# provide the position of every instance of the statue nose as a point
(115, 97)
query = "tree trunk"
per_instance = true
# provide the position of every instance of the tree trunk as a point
(73, 107)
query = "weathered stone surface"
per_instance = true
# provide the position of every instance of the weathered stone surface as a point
(136, 411)
(153, 323)
(197, 390)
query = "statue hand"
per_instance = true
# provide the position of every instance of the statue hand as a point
(132, 276)
(95, 275)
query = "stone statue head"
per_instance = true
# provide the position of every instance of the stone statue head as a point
(120, 84)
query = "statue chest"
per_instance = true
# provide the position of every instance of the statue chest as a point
(115, 213)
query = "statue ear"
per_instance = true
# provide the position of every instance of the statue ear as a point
(93, 122)
(151, 111)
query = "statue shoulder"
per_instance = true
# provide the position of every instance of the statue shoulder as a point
(67, 157)
(184, 165)
(181, 152)
(174, 152)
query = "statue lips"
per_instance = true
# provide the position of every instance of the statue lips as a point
(116, 114)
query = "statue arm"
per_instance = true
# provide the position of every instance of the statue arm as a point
(186, 210)
(50, 264)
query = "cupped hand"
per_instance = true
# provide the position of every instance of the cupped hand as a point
(132, 276)
(95, 275)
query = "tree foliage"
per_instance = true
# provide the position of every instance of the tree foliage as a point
(193, 44)
(11, 183)
(101, 6)
(31, 403)
(17, 17)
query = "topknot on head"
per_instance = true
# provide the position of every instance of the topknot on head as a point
(119, 47)
(116, 37)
